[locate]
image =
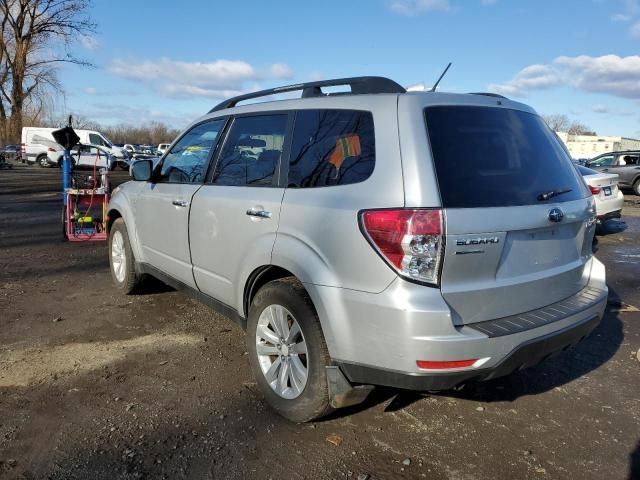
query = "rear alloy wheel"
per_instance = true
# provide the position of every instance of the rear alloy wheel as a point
(287, 351)
(282, 351)
(42, 161)
(636, 187)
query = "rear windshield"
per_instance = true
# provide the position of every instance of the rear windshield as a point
(496, 157)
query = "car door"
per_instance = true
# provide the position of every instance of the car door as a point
(629, 171)
(234, 217)
(163, 204)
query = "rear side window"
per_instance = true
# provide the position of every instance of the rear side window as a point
(495, 157)
(252, 151)
(331, 147)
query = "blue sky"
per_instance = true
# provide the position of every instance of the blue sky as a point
(171, 61)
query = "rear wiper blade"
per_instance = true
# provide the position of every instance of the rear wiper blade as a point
(553, 193)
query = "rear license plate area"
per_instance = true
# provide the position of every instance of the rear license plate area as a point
(607, 191)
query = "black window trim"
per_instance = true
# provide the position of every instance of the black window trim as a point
(315, 109)
(155, 177)
(277, 181)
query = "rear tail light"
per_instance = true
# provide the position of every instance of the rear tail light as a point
(595, 190)
(410, 240)
(23, 148)
(50, 149)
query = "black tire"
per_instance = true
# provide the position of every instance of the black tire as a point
(636, 187)
(313, 401)
(40, 159)
(131, 280)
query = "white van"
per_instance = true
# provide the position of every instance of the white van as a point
(38, 145)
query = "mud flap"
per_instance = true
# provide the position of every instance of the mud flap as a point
(341, 392)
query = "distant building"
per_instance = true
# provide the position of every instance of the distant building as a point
(589, 146)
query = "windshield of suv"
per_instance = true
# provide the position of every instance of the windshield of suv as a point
(496, 157)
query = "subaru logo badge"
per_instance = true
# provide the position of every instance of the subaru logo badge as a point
(556, 215)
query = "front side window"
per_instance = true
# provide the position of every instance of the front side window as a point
(95, 139)
(607, 161)
(331, 147)
(252, 151)
(188, 159)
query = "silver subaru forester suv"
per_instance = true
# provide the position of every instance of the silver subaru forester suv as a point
(419, 240)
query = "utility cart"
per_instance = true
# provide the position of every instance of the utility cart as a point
(85, 193)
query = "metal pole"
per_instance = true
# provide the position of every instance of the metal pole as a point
(66, 173)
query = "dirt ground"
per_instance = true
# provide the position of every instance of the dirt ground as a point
(96, 385)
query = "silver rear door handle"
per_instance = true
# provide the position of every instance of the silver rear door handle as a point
(259, 213)
(180, 203)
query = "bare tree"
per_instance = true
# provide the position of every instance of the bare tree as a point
(562, 123)
(557, 122)
(34, 39)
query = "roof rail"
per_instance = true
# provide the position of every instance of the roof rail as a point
(359, 86)
(489, 94)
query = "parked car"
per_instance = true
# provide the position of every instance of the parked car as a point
(162, 147)
(625, 164)
(604, 188)
(39, 147)
(11, 153)
(417, 240)
(88, 156)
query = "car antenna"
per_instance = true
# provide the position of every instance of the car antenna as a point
(433, 89)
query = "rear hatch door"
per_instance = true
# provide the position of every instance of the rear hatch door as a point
(518, 217)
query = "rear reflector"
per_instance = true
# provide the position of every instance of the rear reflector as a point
(410, 240)
(595, 190)
(435, 365)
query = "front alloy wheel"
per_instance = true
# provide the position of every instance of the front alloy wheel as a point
(118, 256)
(121, 259)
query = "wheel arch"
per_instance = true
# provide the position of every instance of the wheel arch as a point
(268, 273)
(116, 211)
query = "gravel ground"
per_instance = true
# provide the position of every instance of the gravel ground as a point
(98, 385)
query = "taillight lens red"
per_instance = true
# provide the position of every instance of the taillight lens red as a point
(23, 147)
(595, 190)
(443, 365)
(409, 239)
(50, 149)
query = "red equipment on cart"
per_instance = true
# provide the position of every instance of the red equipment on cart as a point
(85, 213)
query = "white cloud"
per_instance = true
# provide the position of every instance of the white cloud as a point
(533, 77)
(413, 7)
(599, 108)
(611, 74)
(112, 114)
(635, 30)
(89, 42)
(175, 78)
(619, 76)
(631, 9)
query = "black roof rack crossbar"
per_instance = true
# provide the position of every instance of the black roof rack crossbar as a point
(359, 86)
(489, 94)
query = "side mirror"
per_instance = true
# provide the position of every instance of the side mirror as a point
(141, 170)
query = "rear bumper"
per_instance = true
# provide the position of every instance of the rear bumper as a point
(610, 208)
(526, 355)
(377, 338)
(609, 215)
